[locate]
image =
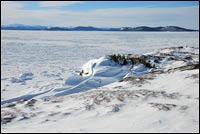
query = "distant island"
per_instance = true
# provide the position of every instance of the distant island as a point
(91, 28)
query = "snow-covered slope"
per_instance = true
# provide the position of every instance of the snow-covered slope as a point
(154, 92)
(165, 103)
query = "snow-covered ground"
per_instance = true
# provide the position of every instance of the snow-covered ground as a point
(46, 91)
(163, 103)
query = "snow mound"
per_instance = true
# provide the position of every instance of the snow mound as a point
(22, 78)
(111, 68)
(95, 73)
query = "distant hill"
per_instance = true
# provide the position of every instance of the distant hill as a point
(91, 28)
(161, 29)
(23, 27)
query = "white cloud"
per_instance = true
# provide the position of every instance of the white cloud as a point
(10, 4)
(187, 17)
(57, 3)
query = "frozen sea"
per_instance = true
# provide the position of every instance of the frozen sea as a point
(35, 61)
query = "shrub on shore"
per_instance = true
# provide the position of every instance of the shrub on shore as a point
(130, 59)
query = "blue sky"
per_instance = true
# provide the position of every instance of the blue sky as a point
(101, 13)
(92, 5)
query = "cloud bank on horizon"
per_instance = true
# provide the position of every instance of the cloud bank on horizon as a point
(101, 13)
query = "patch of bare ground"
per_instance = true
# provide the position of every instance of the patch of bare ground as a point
(106, 97)
(193, 76)
(7, 116)
(167, 107)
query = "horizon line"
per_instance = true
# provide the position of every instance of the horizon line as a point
(94, 26)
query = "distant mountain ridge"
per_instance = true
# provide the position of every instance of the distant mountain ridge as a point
(91, 28)
(161, 29)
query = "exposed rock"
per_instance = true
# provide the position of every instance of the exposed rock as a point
(115, 108)
(31, 102)
(7, 116)
(164, 107)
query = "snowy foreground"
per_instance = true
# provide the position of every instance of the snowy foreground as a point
(154, 92)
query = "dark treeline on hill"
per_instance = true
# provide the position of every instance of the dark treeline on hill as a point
(90, 28)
